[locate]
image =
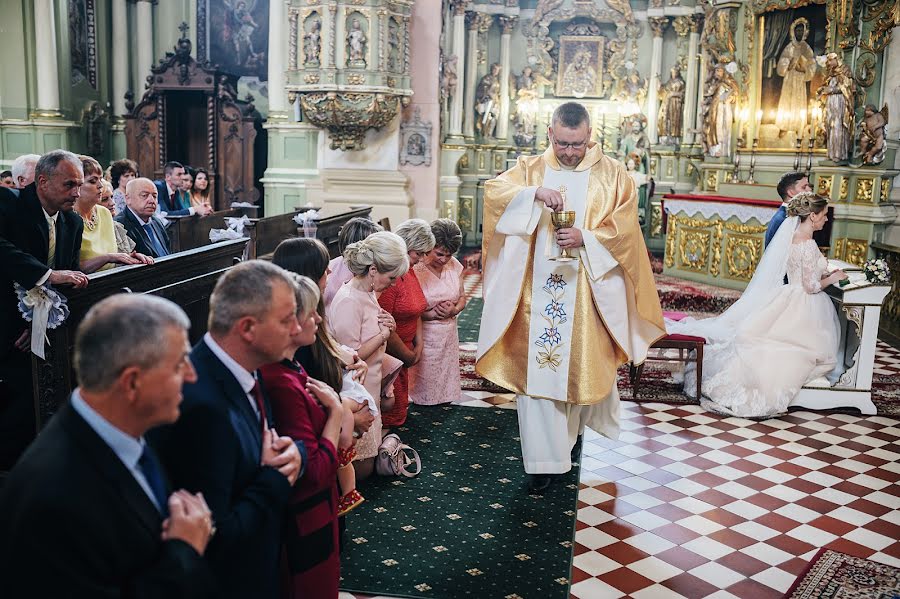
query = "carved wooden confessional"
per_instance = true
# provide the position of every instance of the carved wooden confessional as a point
(190, 113)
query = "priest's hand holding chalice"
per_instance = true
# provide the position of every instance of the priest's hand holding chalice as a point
(567, 236)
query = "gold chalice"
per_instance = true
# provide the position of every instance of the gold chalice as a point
(563, 220)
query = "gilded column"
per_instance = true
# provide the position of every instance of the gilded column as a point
(693, 79)
(459, 51)
(472, 20)
(278, 47)
(144, 38)
(45, 58)
(658, 25)
(507, 25)
(119, 57)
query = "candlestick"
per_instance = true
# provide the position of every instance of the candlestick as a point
(753, 148)
(798, 149)
(736, 171)
(812, 141)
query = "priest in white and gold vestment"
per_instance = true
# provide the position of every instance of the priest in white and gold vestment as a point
(555, 332)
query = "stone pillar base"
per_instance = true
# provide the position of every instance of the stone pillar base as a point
(291, 165)
(387, 192)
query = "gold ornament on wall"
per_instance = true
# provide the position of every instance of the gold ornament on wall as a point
(712, 181)
(655, 220)
(845, 189)
(466, 204)
(824, 187)
(885, 190)
(670, 241)
(742, 254)
(857, 251)
(864, 190)
(693, 249)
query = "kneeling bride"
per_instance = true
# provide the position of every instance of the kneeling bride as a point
(776, 338)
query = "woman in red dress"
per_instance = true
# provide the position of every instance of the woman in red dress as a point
(310, 412)
(406, 303)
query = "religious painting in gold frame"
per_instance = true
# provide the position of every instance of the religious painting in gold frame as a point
(789, 38)
(580, 69)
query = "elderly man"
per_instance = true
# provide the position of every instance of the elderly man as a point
(23, 169)
(147, 231)
(40, 239)
(85, 512)
(173, 200)
(6, 180)
(554, 331)
(225, 444)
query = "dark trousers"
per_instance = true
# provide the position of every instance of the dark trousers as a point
(17, 416)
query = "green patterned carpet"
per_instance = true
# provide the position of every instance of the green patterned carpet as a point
(469, 320)
(465, 527)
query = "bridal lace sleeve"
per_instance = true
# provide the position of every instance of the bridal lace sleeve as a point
(811, 267)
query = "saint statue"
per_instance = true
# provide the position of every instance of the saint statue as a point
(671, 115)
(487, 102)
(356, 42)
(580, 77)
(449, 77)
(871, 135)
(525, 91)
(797, 65)
(311, 45)
(635, 144)
(837, 93)
(719, 97)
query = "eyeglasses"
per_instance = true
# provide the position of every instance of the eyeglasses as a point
(575, 146)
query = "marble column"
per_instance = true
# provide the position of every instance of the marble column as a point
(472, 20)
(144, 37)
(692, 80)
(459, 51)
(658, 25)
(45, 59)
(507, 25)
(701, 78)
(278, 49)
(119, 57)
(890, 87)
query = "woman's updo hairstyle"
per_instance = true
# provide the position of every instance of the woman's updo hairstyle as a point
(805, 203)
(447, 234)
(385, 250)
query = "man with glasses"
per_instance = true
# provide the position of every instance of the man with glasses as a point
(554, 331)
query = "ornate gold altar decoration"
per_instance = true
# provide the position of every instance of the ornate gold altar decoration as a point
(845, 189)
(824, 188)
(712, 181)
(354, 81)
(886, 183)
(693, 249)
(865, 190)
(743, 253)
(854, 251)
(466, 210)
(697, 244)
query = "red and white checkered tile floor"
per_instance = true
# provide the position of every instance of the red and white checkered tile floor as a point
(887, 359)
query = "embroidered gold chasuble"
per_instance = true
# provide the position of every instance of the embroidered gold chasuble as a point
(595, 314)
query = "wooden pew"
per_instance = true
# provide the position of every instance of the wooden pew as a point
(330, 225)
(266, 233)
(187, 279)
(189, 232)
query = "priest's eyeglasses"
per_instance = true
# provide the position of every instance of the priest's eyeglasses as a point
(563, 146)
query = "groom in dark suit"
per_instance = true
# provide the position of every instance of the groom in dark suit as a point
(86, 511)
(790, 185)
(40, 242)
(225, 444)
(147, 231)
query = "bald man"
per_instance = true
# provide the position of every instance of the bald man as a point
(147, 231)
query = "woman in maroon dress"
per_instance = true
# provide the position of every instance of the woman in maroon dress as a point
(310, 412)
(406, 303)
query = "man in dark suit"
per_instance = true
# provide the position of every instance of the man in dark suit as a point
(173, 200)
(790, 185)
(86, 512)
(39, 220)
(224, 444)
(147, 231)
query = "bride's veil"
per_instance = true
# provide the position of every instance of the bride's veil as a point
(766, 281)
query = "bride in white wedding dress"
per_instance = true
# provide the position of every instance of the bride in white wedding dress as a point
(776, 337)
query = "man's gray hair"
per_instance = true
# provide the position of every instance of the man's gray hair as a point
(571, 115)
(120, 331)
(245, 290)
(50, 161)
(23, 164)
(417, 235)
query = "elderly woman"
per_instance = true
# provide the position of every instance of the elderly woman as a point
(435, 379)
(120, 173)
(310, 412)
(357, 321)
(355, 229)
(99, 250)
(406, 303)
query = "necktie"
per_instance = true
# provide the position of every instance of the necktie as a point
(154, 241)
(172, 205)
(149, 465)
(51, 247)
(260, 404)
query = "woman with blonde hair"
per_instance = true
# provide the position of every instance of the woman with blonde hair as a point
(406, 303)
(776, 338)
(357, 321)
(99, 250)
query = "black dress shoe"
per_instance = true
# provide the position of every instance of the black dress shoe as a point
(539, 483)
(576, 450)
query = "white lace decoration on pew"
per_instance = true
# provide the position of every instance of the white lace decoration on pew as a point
(307, 220)
(235, 229)
(44, 308)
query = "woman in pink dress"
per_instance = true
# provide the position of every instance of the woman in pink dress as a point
(435, 379)
(357, 321)
(355, 229)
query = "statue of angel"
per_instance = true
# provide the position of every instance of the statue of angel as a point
(871, 136)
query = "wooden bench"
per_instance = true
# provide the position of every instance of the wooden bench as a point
(690, 350)
(189, 232)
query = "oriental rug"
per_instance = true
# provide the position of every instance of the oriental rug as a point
(465, 526)
(833, 574)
